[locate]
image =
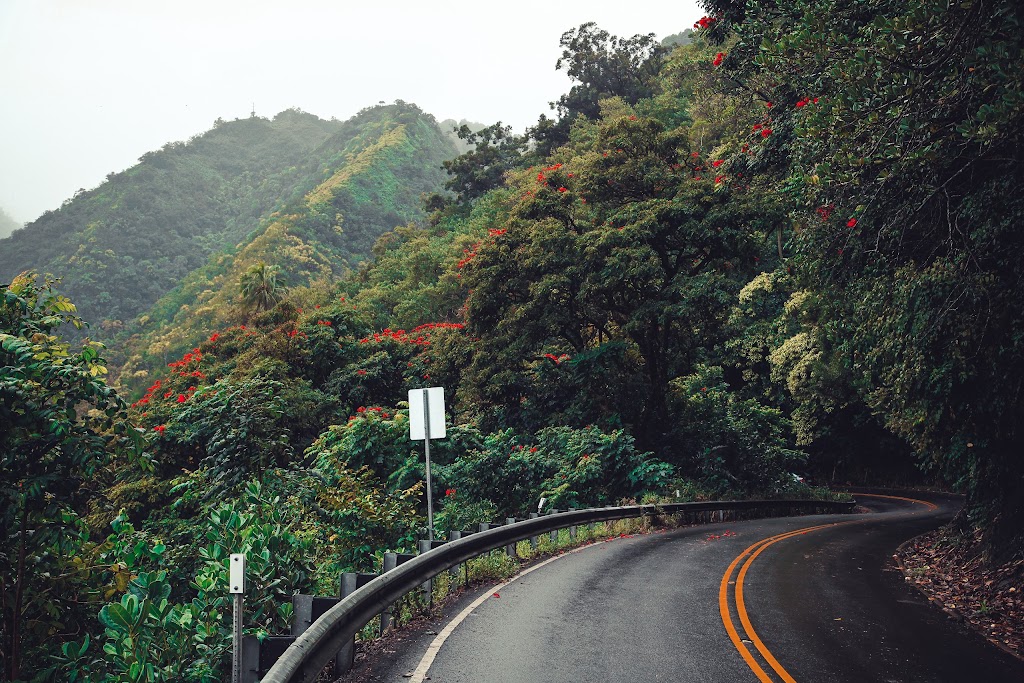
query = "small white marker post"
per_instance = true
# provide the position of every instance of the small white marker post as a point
(426, 422)
(236, 582)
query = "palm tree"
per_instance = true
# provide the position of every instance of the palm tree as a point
(262, 287)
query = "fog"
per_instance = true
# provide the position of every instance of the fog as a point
(88, 86)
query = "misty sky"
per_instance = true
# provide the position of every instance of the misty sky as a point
(88, 86)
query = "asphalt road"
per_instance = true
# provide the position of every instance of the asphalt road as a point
(824, 605)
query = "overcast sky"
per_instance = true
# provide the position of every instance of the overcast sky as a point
(88, 86)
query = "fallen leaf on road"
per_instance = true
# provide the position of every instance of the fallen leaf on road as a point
(495, 596)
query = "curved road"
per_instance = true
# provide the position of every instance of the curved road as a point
(739, 601)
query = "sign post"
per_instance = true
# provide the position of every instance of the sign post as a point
(236, 583)
(426, 422)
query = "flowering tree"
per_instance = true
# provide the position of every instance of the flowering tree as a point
(899, 128)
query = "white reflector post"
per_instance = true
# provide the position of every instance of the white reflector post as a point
(417, 408)
(236, 574)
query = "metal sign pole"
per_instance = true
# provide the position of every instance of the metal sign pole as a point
(426, 448)
(236, 580)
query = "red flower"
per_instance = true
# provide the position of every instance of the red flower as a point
(159, 429)
(562, 189)
(361, 409)
(360, 372)
(765, 132)
(181, 398)
(215, 336)
(717, 162)
(852, 223)
(448, 493)
(718, 59)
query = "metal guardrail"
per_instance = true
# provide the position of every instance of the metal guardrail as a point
(317, 646)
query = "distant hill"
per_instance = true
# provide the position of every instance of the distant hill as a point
(310, 193)
(7, 224)
(449, 126)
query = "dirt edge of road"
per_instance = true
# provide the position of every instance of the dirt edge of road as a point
(949, 570)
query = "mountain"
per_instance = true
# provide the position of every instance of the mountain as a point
(7, 224)
(245, 187)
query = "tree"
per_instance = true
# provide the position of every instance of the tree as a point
(900, 128)
(262, 287)
(602, 66)
(59, 423)
(495, 152)
(634, 240)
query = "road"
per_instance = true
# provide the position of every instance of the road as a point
(740, 601)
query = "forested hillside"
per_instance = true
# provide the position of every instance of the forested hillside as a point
(123, 245)
(787, 246)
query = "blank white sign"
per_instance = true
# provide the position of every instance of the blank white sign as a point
(435, 398)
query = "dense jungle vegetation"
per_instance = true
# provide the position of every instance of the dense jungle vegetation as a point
(788, 243)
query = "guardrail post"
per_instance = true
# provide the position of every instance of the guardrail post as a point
(350, 582)
(553, 536)
(533, 539)
(510, 549)
(427, 586)
(454, 571)
(390, 562)
(572, 528)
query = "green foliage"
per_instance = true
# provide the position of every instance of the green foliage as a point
(126, 243)
(59, 424)
(898, 132)
(601, 66)
(261, 287)
(627, 240)
(570, 467)
(494, 151)
(732, 445)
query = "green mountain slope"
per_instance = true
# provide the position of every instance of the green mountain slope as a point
(122, 246)
(364, 181)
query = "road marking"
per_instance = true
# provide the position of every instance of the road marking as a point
(929, 505)
(420, 673)
(751, 554)
(730, 628)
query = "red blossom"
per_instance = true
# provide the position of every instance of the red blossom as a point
(360, 372)
(562, 189)
(717, 162)
(448, 493)
(215, 336)
(852, 223)
(159, 429)
(182, 398)
(718, 59)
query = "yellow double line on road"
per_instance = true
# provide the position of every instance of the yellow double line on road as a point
(751, 554)
(747, 557)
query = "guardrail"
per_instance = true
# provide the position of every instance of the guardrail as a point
(318, 645)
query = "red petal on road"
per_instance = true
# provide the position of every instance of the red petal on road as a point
(495, 596)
